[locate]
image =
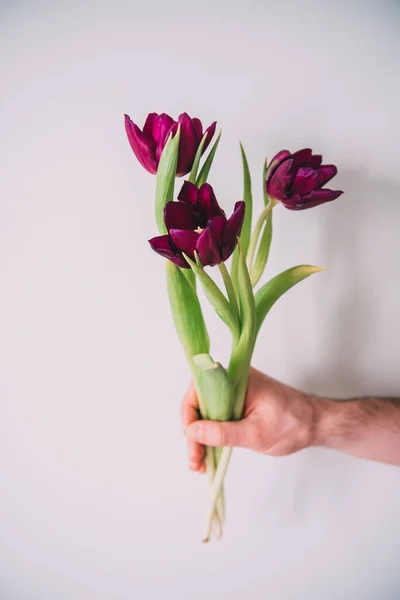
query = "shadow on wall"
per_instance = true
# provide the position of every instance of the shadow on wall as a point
(350, 295)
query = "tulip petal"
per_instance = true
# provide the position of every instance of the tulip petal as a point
(276, 162)
(217, 227)
(206, 247)
(148, 126)
(305, 180)
(279, 183)
(185, 241)
(315, 161)
(198, 128)
(189, 193)
(326, 172)
(142, 146)
(161, 126)
(161, 129)
(324, 195)
(178, 215)
(163, 246)
(210, 134)
(207, 205)
(232, 230)
(314, 198)
(188, 145)
(302, 158)
(184, 117)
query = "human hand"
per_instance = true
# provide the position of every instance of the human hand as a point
(278, 420)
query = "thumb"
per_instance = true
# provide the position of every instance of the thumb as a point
(214, 433)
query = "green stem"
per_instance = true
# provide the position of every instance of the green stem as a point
(229, 288)
(218, 516)
(241, 395)
(211, 468)
(238, 371)
(256, 232)
(216, 488)
(226, 453)
(221, 498)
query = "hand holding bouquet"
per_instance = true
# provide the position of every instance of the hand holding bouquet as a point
(195, 233)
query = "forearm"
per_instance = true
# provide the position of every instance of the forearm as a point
(364, 427)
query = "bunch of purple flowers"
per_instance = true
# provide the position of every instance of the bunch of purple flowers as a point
(195, 233)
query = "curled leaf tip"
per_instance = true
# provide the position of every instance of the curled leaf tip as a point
(316, 269)
(197, 258)
(306, 270)
(188, 260)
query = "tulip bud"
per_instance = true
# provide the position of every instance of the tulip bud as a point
(296, 179)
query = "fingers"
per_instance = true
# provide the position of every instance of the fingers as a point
(230, 433)
(196, 453)
(189, 407)
(189, 413)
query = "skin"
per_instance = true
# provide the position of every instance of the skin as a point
(280, 420)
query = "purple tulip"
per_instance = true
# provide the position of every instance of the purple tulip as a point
(195, 207)
(197, 223)
(296, 179)
(149, 143)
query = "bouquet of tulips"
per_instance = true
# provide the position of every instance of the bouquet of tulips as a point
(194, 233)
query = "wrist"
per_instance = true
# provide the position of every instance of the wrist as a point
(309, 415)
(321, 415)
(331, 425)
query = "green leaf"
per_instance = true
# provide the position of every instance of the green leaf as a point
(246, 298)
(165, 179)
(216, 298)
(187, 313)
(243, 350)
(265, 195)
(230, 290)
(196, 162)
(246, 229)
(262, 252)
(202, 178)
(190, 276)
(271, 291)
(234, 268)
(214, 387)
(247, 197)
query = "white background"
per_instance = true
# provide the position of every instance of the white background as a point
(96, 501)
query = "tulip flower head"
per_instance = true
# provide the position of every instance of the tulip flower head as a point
(148, 144)
(196, 223)
(296, 179)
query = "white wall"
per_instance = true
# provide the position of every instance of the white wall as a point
(96, 501)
